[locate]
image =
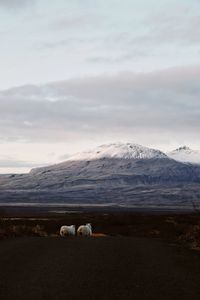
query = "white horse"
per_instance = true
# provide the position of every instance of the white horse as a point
(67, 230)
(85, 230)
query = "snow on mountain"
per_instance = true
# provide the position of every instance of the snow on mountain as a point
(185, 154)
(120, 174)
(119, 151)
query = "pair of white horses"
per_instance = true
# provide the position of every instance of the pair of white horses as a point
(83, 230)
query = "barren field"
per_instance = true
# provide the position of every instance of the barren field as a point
(141, 256)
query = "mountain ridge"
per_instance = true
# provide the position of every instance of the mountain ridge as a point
(119, 150)
(129, 175)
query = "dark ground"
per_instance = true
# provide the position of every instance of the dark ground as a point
(97, 268)
(144, 256)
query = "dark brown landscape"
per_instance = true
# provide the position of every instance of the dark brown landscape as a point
(131, 255)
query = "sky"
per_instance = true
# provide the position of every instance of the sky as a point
(77, 74)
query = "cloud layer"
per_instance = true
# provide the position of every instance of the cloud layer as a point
(15, 3)
(143, 106)
(56, 40)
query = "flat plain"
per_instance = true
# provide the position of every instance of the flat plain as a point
(139, 258)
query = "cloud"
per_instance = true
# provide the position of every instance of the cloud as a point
(112, 59)
(175, 29)
(15, 3)
(65, 23)
(128, 36)
(75, 21)
(67, 42)
(147, 106)
(10, 162)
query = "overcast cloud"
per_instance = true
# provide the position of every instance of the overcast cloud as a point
(75, 74)
(164, 102)
(15, 3)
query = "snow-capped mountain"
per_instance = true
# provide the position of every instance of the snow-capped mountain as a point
(125, 174)
(120, 151)
(185, 154)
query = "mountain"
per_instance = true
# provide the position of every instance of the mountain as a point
(185, 154)
(120, 151)
(118, 174)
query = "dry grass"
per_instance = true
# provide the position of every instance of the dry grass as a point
(23, 230)
(192, 236)
(99, 235)
(177, 228)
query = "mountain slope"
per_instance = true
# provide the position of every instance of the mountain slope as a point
(123, 174)
(185, 154)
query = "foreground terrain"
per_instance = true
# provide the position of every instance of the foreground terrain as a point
(97, 268)
(141, 256)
